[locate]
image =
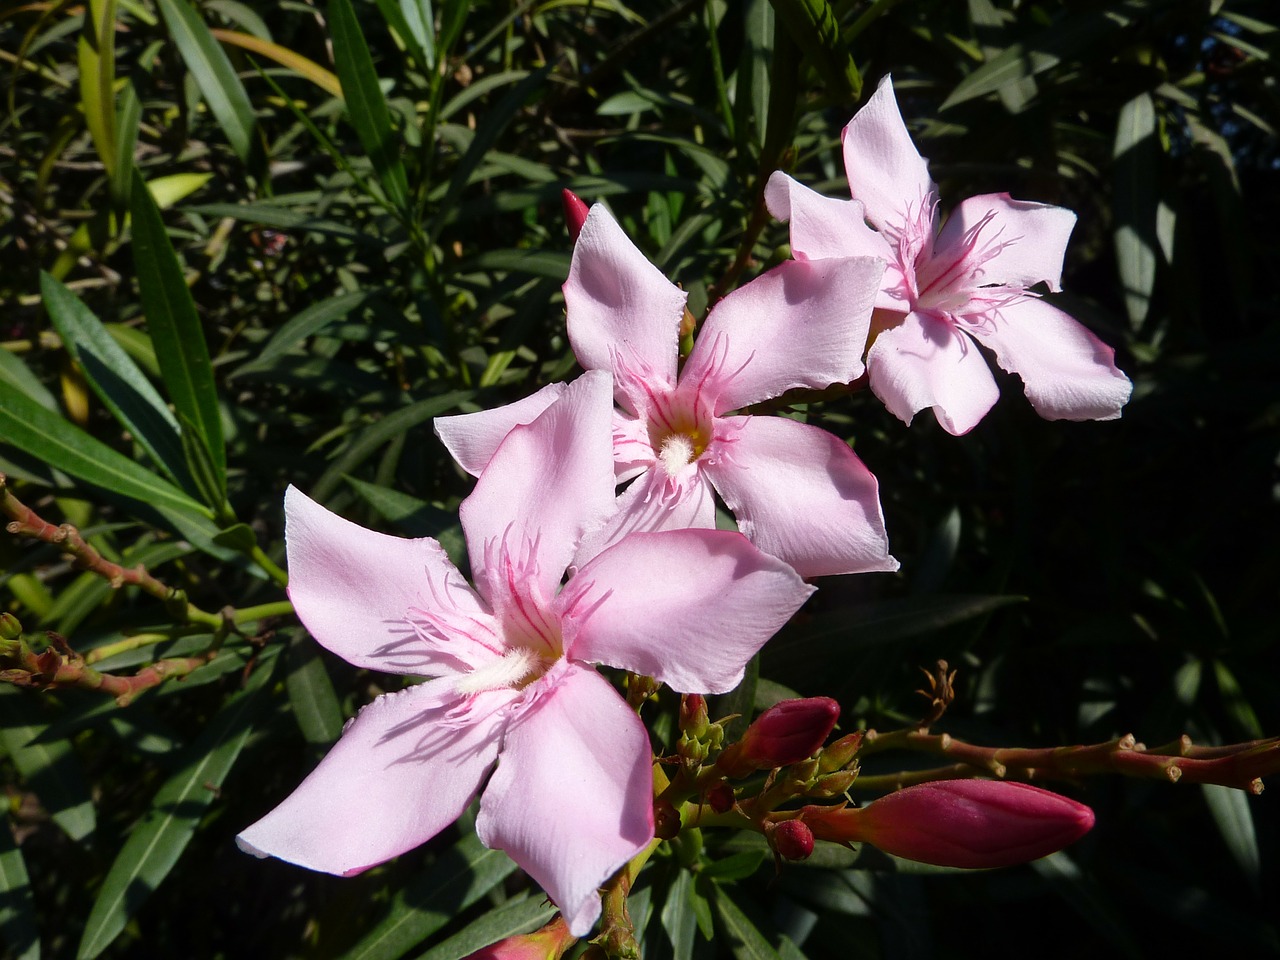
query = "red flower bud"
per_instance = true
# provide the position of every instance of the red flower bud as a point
(575, 212)
(693, 715)
(788, 732)
(549, 943)
(666, 819)
(720, 798)
(963, 823)
(792, 839)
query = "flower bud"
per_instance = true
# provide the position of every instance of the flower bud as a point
(575, 212)
(788, 732)
(549, 943)
(836, 756)
(967, 823)
(666, 819)
(10, 627)
(790, 839)
(693, 715)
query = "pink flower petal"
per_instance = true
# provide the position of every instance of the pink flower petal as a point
(548, 483)
(400, 774)
(472, 438)
(632, 449)
(802, 324)
(689, 607)
(618, 305)
(926, 362)
(1068, 373)
(650, 504)
(885, 171)
(1020, 244)
(572, 798)
(355, 591)
(823, 228)
(802, 495)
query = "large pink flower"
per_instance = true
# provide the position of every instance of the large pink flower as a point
(798, 492)
(571, 797)
(943, 287)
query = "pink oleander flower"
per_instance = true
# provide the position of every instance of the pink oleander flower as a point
(798, 492)
(945, 288)
(571, 796)
(959, 823)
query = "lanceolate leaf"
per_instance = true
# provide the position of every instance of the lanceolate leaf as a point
(311, 694)
(1137, 197)
(306, 324)
(52, 770)
(521, 915)
(159, 838)
(18, 929)
(746, 942)
(33, 429)
(213, 73)
(366, 107)
(114, 377)
(814, 28)
(454, 882)
(175, 329)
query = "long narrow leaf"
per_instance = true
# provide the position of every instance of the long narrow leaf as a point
(18, 928)
(311, 694)
(175, 328)
(513, 917)
(213, 73)
(1136, 168)
(159, 838)
(326, 80)
(366, 106)
(813, 26)
(51, 769)
(746, 942)
(114, 377)
(33, 429)
(306, 324)
(458, 879)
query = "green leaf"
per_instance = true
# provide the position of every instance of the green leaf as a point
(306, 324)
(18, 375)
(1136, 176)
(751, 101)
(460, 877)
(416, 518)
(128, 116)
(678, 916)
(213, 73)
(175, 329)
(18, 930)
(366, 106)
(158, 839)
(1231, 813)
(737, 866)
(315, 705)
(397, 13)
(390, 426)
(746, 942)
(740, 701)
(33, 429)
(51, 770)
(813, 26)
(518, 915)
(115, 378)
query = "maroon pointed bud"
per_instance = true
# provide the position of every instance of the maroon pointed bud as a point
(575, 212)
(693, 715)
(788, 732)
(963, 823)
(549, 943)
(720, 798)
(790, 839)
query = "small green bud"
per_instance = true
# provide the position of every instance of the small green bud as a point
(10, 627)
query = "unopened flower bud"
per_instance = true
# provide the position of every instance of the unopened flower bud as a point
(791, 839)
(575, 212)
(549, 943)
(833, 784)
(965, 823)
(720, 798)
(836, 756)
(788, 732)
(693, 715)
(10, 627)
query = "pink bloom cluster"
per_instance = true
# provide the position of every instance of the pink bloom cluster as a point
(568, 572)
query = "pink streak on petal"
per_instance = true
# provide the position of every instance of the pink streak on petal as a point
(885, 171)
(404, 769)
(689, 607)
(472, 438)
(355, 591)
(632, 449)
(801, 324)
(548, 483)
(926, 362)
(617, 302)
(572, 798)
(1022, 244)
(823, 227)
(1069, 374)
(802, 495)
(654, 503)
